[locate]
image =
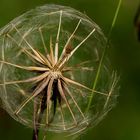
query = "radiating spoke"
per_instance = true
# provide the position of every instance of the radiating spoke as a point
(79, 66)
(83, 63)
(45, 59)
(45, 49)
(62, 115)
(57, 38)
(31, 56)
(70, 94)
(44, 62)
(36, 92)
(80, 85)
(67, 48)
(52, 53)
(74, 50)
(115, 81)
(49, 91)
(68, 41)
(43, 41)
(67, 69)
(33, 50)
(24, 35)
(66, 101)
(33, 79)
(29, 68)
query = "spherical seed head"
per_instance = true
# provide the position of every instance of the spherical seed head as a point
(50, 68)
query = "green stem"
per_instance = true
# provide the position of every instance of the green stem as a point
(104, 52)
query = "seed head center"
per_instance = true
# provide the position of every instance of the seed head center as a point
(55, 74)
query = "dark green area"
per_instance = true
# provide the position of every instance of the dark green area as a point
(123, 122)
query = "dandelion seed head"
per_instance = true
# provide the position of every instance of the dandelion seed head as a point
(49, 59)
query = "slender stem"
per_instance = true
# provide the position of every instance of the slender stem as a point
(38, 113)
(103, 54)
(35, 120)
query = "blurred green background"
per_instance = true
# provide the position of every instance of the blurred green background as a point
(123, 122)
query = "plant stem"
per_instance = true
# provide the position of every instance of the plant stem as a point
(103, 54)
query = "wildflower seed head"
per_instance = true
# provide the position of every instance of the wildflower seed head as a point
(49, 70)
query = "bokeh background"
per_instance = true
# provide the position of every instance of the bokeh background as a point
(123, 122)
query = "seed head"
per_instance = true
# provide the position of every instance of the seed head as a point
(49, 58)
